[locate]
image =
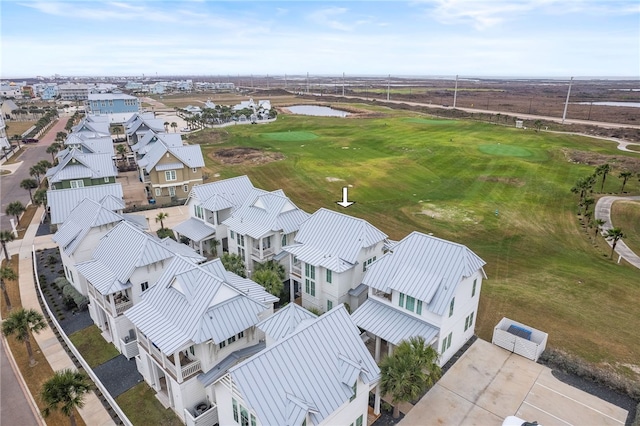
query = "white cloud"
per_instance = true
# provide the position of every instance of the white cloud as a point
(327, 17)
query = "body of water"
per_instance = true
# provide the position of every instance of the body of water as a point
(321, 111)
(614, 104)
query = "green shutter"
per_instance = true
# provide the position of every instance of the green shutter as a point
(419, 307)
(401, 300)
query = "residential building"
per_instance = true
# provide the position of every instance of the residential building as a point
(60, 202)
(86, 144)
(93, 127)
(77, 170)
(49, 92)
(209, 206)
(4, 141)
(10, 91)
(9, 109)
(139, 124)
(424, 286)
(265, 222)
(73, 92)
(329, 257)
(321, 374)
(125, 263)
(28, 92)
(196, 322)
(145, 143)
(169, 172)
(117, 106)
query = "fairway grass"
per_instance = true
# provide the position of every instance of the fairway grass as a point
(433, 176)
(626, 216)
(290, 136)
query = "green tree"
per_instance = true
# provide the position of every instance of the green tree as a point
(624, 175)
(614, 235)
(234, 263)
(166, 126)
(270, 280)
(21, 324)
(603, 170)
(36, 170)
(65, 391)
(6, 273)
(29, 184)
(409, 371)
(174, 126)
(5, 237)
(538, 125)
(61, 136)
(161, 217)
(122, 151)
(587, 203)
(40, 197)
(53, 149)
(583, 186)
(15, 209)
(598, 225)
(272, 265)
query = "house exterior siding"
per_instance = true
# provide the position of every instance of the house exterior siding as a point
(66, 184)
(186, 177)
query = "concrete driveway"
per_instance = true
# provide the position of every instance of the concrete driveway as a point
(489, 383)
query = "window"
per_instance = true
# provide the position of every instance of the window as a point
(192, 350)
(354, 388)
(367, 263)
(194, 170)
(244, 416)
(199, 211)
(185, 188)
(240, 240)
(310, 287)
(170, 175)
(310, 271)
(158, 192)
(329, 305)
(253, 420)
(329, 276)
(468, 321)
(172, 191)
(419, 307)
(222, 344)
(473, 289)
(283, 242)
(453, 302)
(144, 286)
(231, 339)
(233, 235)
(235, 409)
(411, 301)
(401, 300)
(359, 421)
(241, 335)
(77, 184)
(241, 252)
(446, 343)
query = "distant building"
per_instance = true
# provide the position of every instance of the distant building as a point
(49, 92)
(4, 142)
(28, 92)
(117, 106)
(10, 91)
(73, 92)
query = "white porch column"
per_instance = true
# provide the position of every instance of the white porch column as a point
(376, 404)
(201, 248)
(176, 362)
(261, 242)
(378, 346)
(390, 348)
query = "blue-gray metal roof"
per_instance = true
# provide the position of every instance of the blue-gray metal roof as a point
(62, 201)
(189, 155)
(285, 321)
(195, 229)
(424, 267)
(223, 194)
(304, 372)
(333, 240)
(183, 308)
(78, 165)
(220, 369)
(391, 324)
(264, 212)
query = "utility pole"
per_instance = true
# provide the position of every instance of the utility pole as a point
(307, 83)
(285, 81)
(388, 86)
(343, 84)
(566, 103)
(455, 92)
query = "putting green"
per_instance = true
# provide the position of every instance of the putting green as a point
(428, 121)
(290, 136)
(505, 150)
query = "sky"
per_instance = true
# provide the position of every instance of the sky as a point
(521, 38)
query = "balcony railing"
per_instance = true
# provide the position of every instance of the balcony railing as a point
(255, 251)
(382, 294)
(191, 369)
(121, 307)
(296, 270)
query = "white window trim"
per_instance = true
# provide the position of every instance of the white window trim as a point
(170, 175)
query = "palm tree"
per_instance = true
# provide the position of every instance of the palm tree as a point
(598, 224)
(5, 237)
(15, 209)
(65, 391)
(613, 235)
(40, 197)
(603, 170)
(122, 150)
(409, 371)
(29, 184)
(61, 136)
(166, 126)
(160, 217)
(583, 186)
(36, 170)
(53, 149)
(587, 202)
(272, 265)
(269, 279)
(174, 126)
(7, 273)
(234, 263)
(20, 323)
(625, 175)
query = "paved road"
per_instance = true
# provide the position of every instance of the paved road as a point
(603, 211)
(14, 408)
(10, 184)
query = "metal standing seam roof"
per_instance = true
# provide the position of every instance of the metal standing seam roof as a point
(222, 194)
(391, 324)
(99, 127)
(169, 166)
(333, 240)
(265, 212)
(78, 165)
(62, 201)
(250, 288)
(285, 321)
(181, 249)
(85, 216)
(424, 267)
(305, 371)
(180, 309)
(195, 229)
(190, 155)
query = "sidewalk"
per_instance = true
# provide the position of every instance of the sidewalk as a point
(603, 211)
(93, 412)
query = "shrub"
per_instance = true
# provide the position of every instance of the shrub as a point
(166, 232)
(80, 300)
(52, 259)
(69, 303)
(636, 421)
(60, 283)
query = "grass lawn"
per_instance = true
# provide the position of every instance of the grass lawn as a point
(626, 216)
(143, 408)
(92, 346)
(18, 127)
(449, 177)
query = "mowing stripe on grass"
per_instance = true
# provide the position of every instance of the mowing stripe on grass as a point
(290, 136)
(505, 150)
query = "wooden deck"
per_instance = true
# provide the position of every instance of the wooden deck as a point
(371, 417)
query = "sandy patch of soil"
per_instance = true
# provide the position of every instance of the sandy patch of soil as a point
(333, 179)
(447, 213)
(241, 155)
(595, 159)
(506, 180)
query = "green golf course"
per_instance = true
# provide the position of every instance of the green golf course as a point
(501, 191)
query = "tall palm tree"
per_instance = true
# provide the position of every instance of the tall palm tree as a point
(613, 235)
(603, 170)
(583, 186)
(15, 209)
(29, 184)
(587, 203)
(625, 175)
(53, 149)
(36, 170)
(274, 266)
(409, 371)
(20, 324)
(40, 197)
(160, 217)
(5, 237)
(234, 263)
(7, 273)
(65, 391)
(166, 126)
(61, 136)
(174, 126)
(598, 225)
(122, 151)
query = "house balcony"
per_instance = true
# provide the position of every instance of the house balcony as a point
(381, 294)
(263, 254)
(187, 367)
(296, 270)
(200, 415)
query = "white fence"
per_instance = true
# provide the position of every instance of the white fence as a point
(519, 338)
(114, 405)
